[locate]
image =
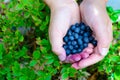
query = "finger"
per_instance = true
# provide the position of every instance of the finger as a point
(103, 35)
(92, 59)
(73, 58)
(88, 50)
(59, 25)
(84, 55)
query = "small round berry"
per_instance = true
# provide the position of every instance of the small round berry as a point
(70, 47)
(74, 51)
(77, 25)
(81, 32)
(73, 27)
(69, 32)
(86, 39)
(71, 38)
(85, 45)
(94, 42)
(65, 46)
(86, 34)
(68, 52)
(69, 42)
(76, 36)
(65, 39)
(74, 43)
(79, 50)
(77, 30)
(76, 46)
(80, 42)
(91, 38)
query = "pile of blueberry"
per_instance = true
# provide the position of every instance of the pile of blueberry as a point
(77, 38)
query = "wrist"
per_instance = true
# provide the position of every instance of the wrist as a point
(55, 4)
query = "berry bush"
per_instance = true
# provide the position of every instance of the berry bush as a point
(25, 51)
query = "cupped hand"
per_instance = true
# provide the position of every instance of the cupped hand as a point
(94, 14)
(63, 16)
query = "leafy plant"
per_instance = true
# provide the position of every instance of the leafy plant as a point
(25, 51)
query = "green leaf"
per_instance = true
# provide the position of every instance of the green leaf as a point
(49, 61)
(23, 78)
(1, 50)
(36, 54)
(65, 76)
(33, 62)
(16, 69)
(19, 7)
(21, 38)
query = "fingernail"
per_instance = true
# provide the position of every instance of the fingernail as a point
(104, 51)
(61, 57)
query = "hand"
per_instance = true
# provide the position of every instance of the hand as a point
(64, 13)
(94, 14)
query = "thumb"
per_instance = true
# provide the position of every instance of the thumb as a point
(104, 37)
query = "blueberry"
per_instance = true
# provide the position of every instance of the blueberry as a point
(80, 37)
(82, 27)
(81, 47)
(76, 46)
(76, 36)
(77, 24)
(74, 51)
(70, 47)
(82, 24)
(71, 38)
(86, 39)
(80, 42)
(69, 42)
(94, 42)
(91, 38)
(68, 52)
(65, 39)
(77, 30)
(74, 43)
(65, 46)
(86, 34)
(81, 32)
(85, 45)
(73, 27)
(69, 32)
(88, 29)
(79, 50)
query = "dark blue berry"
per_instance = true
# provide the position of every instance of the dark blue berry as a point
(74, 43)
(77, 24)
(85, 45)
(94, 42)
(80, 42)
(87, 34)
(79, 50)
(81, 32)
(65, 39)
(74, 51)
(73, 27)
(86, 39)
(82, 27)
(88, 29)
(69, 32)
(91, 38)
(65, 46)
(69, 42)
(80, 37)
(76, 46)
(76, 36)
(70, 47)
(77, 30)
(81, 47)
(68, 52)
(71, 38)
